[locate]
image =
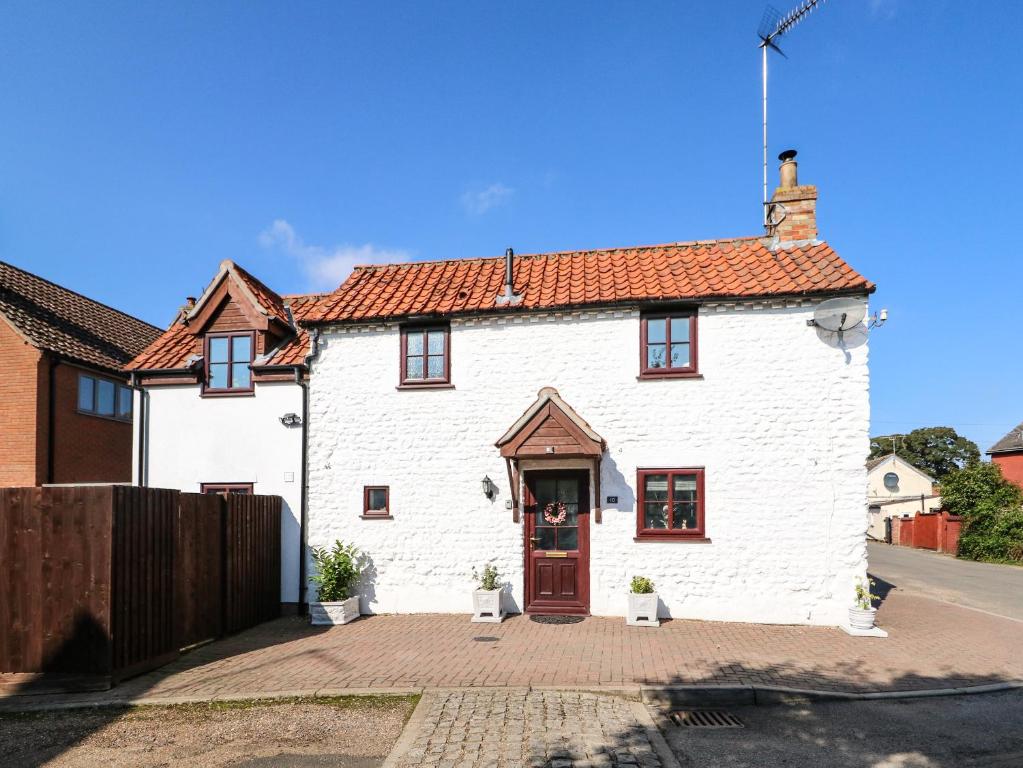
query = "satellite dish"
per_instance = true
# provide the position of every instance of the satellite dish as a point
(838, 315)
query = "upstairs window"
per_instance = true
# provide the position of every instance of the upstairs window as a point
(102, 397)
(425, 355)
(228, 357)
(376, 501)
(670, 504)
(668, 344)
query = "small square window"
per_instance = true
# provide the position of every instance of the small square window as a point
(425, 355)
(670, 504)
(668, 344)
(228, 360)
(376, 501)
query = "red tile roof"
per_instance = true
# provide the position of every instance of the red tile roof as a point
(56, 319)
(294, 351)
(271, 303)
(738, 268)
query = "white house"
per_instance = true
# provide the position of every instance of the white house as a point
(896, 488)
(574, 418)
(220, 399)
(665, 411)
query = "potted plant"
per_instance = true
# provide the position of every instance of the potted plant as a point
(642, 604)
(862, 615)
(486, 599)
(337, 572)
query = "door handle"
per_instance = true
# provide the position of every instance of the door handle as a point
(534, 539)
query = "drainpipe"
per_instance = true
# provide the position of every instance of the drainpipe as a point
(303, 605)
(142, 428)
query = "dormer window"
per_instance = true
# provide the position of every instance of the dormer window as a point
(425, 356)
(228, 357)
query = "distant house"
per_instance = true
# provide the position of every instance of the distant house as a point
(896, 488)
(222, 400)
(65, 403)
(1007, 453)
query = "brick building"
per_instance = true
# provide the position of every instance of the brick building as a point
(1007, 453)
(65, 405)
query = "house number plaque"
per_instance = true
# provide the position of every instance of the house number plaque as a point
(612, 499)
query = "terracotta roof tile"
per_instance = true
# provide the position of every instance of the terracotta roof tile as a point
(61, 321)
(739, 268)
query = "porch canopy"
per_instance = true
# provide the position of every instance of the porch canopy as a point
(551, 429)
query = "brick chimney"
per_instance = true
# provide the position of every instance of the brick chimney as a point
(793, 208)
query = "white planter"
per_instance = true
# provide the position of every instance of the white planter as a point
(642, 610)
(340, 612)
(862, 619)
(486, 606)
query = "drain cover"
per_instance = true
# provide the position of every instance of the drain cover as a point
(486, 639)
(705, 718)
(557, 619)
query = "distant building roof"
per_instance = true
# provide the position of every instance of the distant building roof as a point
(58, 320)
(1011, 442)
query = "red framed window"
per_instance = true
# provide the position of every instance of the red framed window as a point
(243, 488)
(668, 344)
(376, 501)
(425, 355)
(228, 357)
(670, 503)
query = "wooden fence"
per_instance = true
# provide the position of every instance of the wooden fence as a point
(111, 581)
(938, 531)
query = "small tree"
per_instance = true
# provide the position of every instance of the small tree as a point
(337, 571)
(992, 512)
(934, 450)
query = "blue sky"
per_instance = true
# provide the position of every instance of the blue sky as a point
(141, 143)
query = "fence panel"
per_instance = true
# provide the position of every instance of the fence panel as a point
(252, 560)
(199, 577)
(55, 555)
(144, 635)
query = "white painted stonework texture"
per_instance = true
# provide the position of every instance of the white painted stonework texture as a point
(194, 440)
(779, 420)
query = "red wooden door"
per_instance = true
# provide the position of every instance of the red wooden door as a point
(558, 553)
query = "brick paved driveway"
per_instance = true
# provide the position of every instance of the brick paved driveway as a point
(931, 645)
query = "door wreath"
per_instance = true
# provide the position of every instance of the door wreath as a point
(550, 516)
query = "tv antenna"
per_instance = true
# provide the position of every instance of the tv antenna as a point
(772, 26)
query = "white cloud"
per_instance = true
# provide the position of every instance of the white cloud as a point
(326, 267)
(479, 201)
(884, 9)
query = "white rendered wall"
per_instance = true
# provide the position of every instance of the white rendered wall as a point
(779, 420)
(193, 440)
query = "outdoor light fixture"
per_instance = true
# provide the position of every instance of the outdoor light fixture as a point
(291, 420)
(489, 489)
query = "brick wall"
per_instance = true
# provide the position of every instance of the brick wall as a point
(22, 395)
(800, 220)
(87, 448)
(1011, 465)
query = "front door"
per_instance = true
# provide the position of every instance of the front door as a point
(558, 542)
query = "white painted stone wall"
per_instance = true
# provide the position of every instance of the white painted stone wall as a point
(194, 440)
(779, 420)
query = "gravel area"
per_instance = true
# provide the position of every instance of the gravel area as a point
(349, 732)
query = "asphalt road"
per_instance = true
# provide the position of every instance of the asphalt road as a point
(981, 731)
(993, 588)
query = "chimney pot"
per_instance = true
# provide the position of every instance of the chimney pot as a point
(789, 177)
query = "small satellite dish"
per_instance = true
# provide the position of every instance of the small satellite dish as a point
(838, 315)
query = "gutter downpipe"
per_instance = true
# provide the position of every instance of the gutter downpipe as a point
(303, 605)
(142, 428)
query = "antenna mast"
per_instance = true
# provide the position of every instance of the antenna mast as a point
(772, 26)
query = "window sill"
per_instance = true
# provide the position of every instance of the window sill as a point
(672, 537)
(430, 385)
(118, 419)
(228, 393)
(680, 375)
(377, 517)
